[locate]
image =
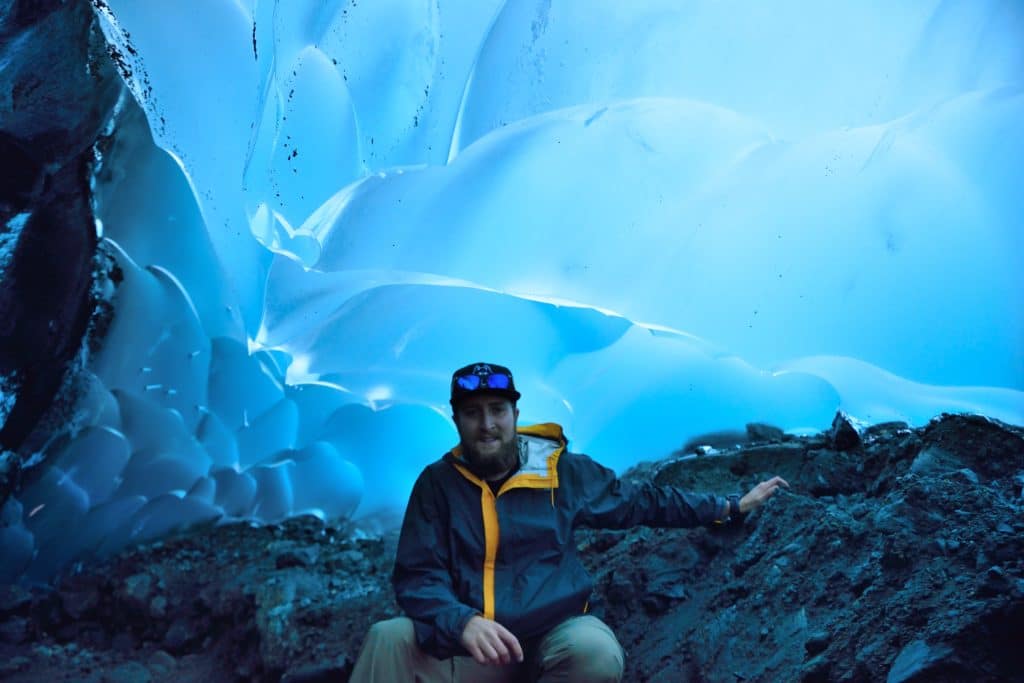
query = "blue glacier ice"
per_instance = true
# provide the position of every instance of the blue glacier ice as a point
(668, 218)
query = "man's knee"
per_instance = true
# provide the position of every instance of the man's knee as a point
(585, 649)
(596, 653)
(395, 633)
(390, 654)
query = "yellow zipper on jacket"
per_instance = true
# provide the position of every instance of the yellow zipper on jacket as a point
(489, 508)
(489, 503)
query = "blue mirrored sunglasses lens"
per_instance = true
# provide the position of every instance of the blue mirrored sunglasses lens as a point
(498, 381)
(469, 382)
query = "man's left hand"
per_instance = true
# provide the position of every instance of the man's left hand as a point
(760, 493)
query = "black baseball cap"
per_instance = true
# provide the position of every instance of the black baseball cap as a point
(478, 378)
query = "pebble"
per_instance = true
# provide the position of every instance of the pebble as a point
(178, 634)
(158, 607)
(137, 589)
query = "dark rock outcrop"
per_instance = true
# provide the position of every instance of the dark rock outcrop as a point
(62, 90)
(873, 566)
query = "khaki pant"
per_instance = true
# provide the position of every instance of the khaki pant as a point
(578, 649)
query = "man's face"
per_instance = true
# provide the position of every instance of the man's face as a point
(487, 430)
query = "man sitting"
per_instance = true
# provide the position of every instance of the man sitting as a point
(487, 571)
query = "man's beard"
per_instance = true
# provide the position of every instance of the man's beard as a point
(492, 465)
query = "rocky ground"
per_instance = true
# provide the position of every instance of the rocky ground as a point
(897, 555)
(234, 602)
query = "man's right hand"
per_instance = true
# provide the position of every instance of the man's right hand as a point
(491, 643)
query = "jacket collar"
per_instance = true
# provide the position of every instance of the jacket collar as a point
(540, 446)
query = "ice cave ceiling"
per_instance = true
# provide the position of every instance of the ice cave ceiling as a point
(668, 218)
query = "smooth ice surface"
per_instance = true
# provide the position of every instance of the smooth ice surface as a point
(668, 218)
(800, 67)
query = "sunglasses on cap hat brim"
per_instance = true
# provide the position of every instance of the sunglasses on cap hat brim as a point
(496, 380)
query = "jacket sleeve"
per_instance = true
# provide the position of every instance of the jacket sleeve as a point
(604, 501)
(422, 576)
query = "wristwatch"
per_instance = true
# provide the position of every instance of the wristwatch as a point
(734, 507)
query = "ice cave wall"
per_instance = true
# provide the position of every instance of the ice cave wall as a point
(666, 219)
